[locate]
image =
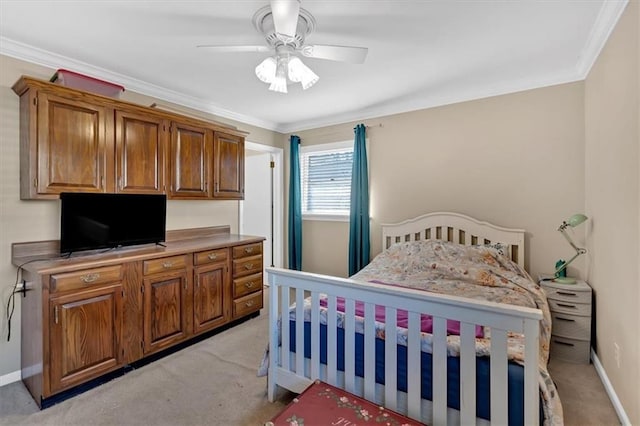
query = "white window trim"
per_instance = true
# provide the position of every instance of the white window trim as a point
(327, 147)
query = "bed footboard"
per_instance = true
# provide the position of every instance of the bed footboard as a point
(296, 373)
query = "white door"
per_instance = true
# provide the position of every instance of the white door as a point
(257, 205)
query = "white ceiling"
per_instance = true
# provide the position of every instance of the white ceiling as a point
(421, 53)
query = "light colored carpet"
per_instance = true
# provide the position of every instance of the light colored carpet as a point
(214, 382)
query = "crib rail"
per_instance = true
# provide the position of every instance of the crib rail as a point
(295, 373)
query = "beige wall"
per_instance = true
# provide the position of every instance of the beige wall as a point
(612, 200)
(515, 160)
(36, 220)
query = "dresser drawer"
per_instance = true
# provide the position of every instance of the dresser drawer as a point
(85, 278)
(571, 350)
(572, 326)
(211, 256)
(572, 296)
(583, 309)
(247, 304)
(247, 250)
(247, 266)
(246, 285)
(165, 264)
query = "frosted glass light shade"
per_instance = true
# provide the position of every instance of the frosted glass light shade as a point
(576, 220)
(279, 84)
(266, 71)
(300, 73)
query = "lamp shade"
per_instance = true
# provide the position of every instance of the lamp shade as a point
(576, 220)
(266, 71)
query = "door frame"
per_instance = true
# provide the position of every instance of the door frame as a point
(277, 200)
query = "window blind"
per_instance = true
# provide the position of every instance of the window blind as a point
(326, 181)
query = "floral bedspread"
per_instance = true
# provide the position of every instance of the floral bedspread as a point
(478, 272)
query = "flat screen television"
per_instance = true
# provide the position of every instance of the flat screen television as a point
(93, 221)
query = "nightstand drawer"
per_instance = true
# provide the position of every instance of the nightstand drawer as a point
(573, 326)
(567, 295)
(569, 307)
(570, 350)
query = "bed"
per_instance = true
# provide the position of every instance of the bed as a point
(445, 326)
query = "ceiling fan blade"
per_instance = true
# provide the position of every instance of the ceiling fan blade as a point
(351, 54)
(231, 49)
(285, 18)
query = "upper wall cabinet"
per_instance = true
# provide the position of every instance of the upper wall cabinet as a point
(75, 141)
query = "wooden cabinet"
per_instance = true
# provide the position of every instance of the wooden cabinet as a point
(190, 164)
(90, 315)
(85, 325)
(63, 142)
(140, 145)
(211, 295)
(75, 141)
(228, 166)
(167, 304)
(247, 279)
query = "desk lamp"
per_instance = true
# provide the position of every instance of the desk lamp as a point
(573, 221)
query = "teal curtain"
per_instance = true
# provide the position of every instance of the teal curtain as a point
(295, 207)
(359, 209)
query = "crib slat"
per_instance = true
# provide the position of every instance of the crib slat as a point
(498, 377)
(413, 364)
(439, 356)
(467, 373)
(315, 335)
(300, 331)
(332, 337)
(390, 359)
(284, 355)
(531, 390)
(349, 346)
(369, 352)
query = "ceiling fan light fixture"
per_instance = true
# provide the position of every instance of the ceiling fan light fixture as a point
(279, 83)
(266, 70)
(300, 73)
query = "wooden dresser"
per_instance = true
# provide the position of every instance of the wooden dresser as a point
(92, 314)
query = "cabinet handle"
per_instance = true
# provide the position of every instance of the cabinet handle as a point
(565, 319)
(249, 284)
(167, 264)
(249, 304)
(55, 314)
(564, 293)
(212, 256)
(563, 343)
(89, 278)
(564, 305)
(248, 250)
(248, 266)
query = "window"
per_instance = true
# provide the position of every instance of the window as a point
(325, 171)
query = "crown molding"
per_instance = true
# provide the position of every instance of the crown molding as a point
(45, 58)
(606, 21)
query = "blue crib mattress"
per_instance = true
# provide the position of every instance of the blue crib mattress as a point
(483, 394)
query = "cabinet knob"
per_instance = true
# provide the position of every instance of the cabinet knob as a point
(248, 266)
(249, 304)
(212, 256)
(249, 284)
(248, 250)
(89, 278)
(167, 264)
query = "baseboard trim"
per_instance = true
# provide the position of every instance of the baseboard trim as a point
(617, 405)
(10, 378)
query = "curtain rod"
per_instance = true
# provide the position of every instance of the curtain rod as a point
(369, 126)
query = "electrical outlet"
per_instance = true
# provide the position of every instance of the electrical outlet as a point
(616, 353)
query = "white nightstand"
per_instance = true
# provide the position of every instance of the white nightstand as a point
(570, 306)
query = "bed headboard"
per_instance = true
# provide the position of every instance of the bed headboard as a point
(457, 228)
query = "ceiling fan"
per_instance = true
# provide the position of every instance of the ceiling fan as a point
(285, 26)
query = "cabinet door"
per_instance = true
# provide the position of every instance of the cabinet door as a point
(209, 298)
(190, 159)
(140, 146)
(165, 310)
(70, 145)
(228, 166)
(85, 330)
